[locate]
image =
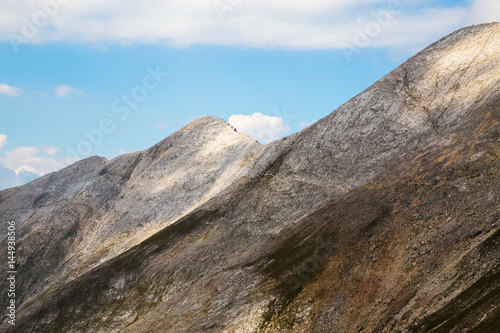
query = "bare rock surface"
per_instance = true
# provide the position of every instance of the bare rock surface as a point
(72, 220)
(383, 216)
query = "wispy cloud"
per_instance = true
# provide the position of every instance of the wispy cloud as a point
(6, 89)
(260, 127)
(314, 24)
(66, 91)
(3, 140)
(24, 164)
(33, 159)
(485, 11)
(51, 151)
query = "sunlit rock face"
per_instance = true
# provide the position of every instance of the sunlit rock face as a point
(72, 220)
(383, 216)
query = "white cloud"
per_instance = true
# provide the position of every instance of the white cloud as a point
(3, 140)
(8, 178)
(297, 24)
(33, 159)
(264, 129)
(485, 11)
(5, 89)
(50, 150)
(25, 164)
(66, 91)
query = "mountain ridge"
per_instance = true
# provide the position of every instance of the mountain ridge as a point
(108, 230)
(358, 200)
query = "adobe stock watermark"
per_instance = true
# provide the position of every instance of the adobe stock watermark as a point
(295, 279)
(11, 272)
(224, 6)
(122, 107)
(366, 32)
(31, 26)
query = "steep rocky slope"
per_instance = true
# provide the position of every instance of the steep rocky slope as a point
(416, 248)
(72, 220)
(383, 216)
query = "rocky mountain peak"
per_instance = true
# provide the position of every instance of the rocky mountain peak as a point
(428, 95)
(181, 172)
(383, 216)
(206, 129)
(207, 121)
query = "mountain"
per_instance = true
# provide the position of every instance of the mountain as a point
(383, 216)
(81, 216)
(8, 178)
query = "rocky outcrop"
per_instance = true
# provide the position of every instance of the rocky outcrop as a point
(383, 216)
(70, 221)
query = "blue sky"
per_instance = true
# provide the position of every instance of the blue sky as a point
(268, 67)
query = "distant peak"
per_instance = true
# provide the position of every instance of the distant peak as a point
(208, 123)
(201, 130)
(210, 120)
